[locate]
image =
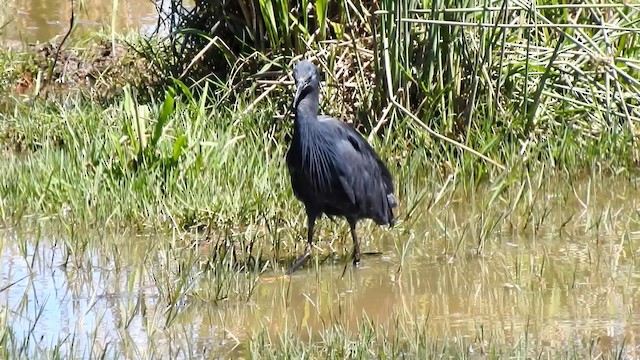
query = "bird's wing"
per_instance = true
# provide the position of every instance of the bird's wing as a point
(361, 146)
(364, 178)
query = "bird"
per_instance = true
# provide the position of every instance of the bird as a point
(334, 171)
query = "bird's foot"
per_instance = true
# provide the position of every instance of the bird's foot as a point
(301, 260)
(356, 259)
(358, 256)
(356, 263)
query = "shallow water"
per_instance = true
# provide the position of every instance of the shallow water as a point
(571, 281)
(34, 21)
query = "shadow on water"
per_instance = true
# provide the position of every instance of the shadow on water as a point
(571, 281)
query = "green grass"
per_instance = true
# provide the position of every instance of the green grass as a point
(193, 159)
(87, 157)
(460, 67)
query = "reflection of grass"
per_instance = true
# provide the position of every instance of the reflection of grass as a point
(190, 290)
(220, 290)
(414, 341)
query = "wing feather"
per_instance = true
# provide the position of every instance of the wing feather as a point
(337, 167)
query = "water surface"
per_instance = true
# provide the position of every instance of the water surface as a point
(33, 21)
(569, 278)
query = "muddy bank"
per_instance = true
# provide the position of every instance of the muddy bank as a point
(99, 69)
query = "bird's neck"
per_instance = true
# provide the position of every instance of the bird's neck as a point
(307, 109)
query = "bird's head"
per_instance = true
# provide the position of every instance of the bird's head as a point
(305, 75)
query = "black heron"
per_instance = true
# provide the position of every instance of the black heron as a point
(333, 169)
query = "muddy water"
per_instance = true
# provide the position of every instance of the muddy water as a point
(42, 20)
(571, 281)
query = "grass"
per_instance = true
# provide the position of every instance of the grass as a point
(185, 155)
(189, 161)
(211, 153)
(191, 164)
(167, 211)
(192, 159)
(460, 67)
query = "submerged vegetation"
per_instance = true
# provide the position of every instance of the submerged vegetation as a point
(153, 169)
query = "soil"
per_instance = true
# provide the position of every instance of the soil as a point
(101, 69)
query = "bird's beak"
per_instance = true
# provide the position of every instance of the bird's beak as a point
(299, 89)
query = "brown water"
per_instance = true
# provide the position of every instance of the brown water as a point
(571, 281)
(34, 21)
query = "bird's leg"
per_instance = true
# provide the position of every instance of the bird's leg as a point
(356, 244)
(311, 221)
